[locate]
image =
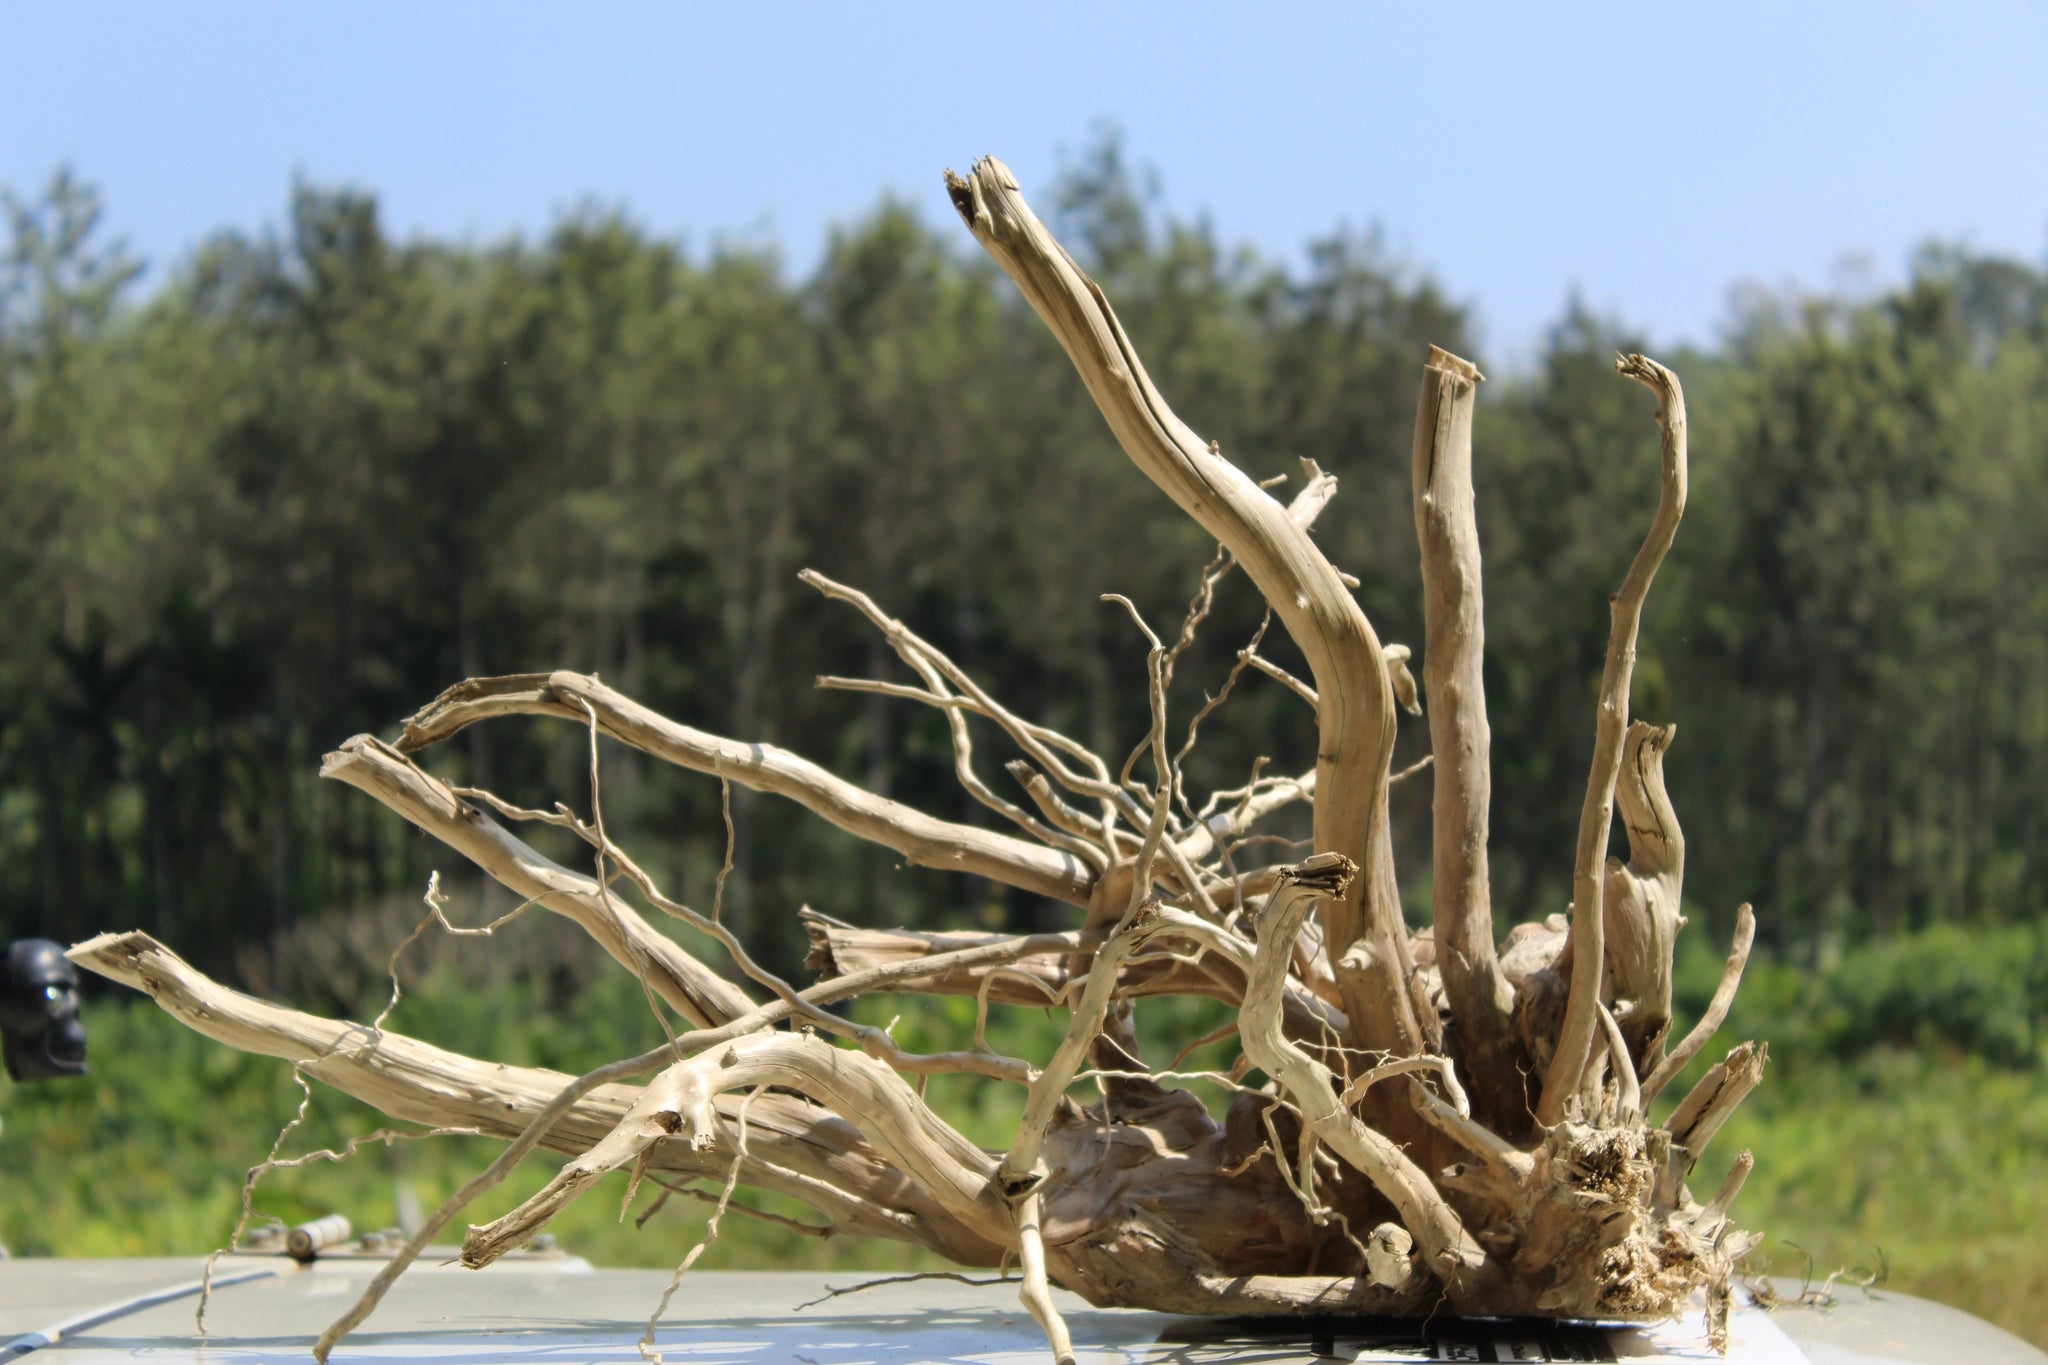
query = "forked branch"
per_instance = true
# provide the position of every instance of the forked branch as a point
(1355, 703)
(923, 840)
(693, 990)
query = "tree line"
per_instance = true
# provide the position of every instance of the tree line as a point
(316, 475)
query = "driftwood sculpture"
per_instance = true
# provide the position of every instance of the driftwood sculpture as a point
(1444, 1124)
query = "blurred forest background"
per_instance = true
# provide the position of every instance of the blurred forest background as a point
(316, 476)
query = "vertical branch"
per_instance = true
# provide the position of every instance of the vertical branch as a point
(1454, 650)
(1368, 943)
(1625, 611)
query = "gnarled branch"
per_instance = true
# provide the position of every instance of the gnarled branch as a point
(1355, 706)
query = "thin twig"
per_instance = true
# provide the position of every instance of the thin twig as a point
(1280, 675)
(956, 1276)
(796, 1225)
(600, 845)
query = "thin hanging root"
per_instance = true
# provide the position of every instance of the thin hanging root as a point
(732, 1179)
(602, 843)
(273, 1162)
(1199, 606)
(914, 1277)
(669, 1189)
(732, 840)
(255, 1174)
(436, 902)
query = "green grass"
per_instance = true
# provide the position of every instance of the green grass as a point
(1928, 1165)
(1925, 1160)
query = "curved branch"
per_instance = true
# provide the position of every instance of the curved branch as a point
(1643, 896)
(1454, 651)
(1625, 610)
(1355, 707)
(796, 1148)
(923, 840)
(694, 990)
(1717, 1008)
(1449, 1250)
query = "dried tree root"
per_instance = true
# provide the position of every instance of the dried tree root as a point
(1415, 1124)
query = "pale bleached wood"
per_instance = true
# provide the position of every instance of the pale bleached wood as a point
(923, 840)
(1625, 611)
(1717, 1008)
(1355, 706)
(1449, 1251)
(1141, 1197)
(1642, 896)
(797, 1149)
(1043, 976)
(694, 990)
(1461, 743)
(679, 1103)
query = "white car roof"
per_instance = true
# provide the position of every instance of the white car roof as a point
(554, 1308)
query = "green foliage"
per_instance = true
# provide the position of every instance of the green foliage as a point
(1916, 1163)
(1980, 992)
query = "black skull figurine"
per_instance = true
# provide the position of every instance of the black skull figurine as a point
(39, 1012)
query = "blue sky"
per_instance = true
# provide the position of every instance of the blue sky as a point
(1650, 156)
